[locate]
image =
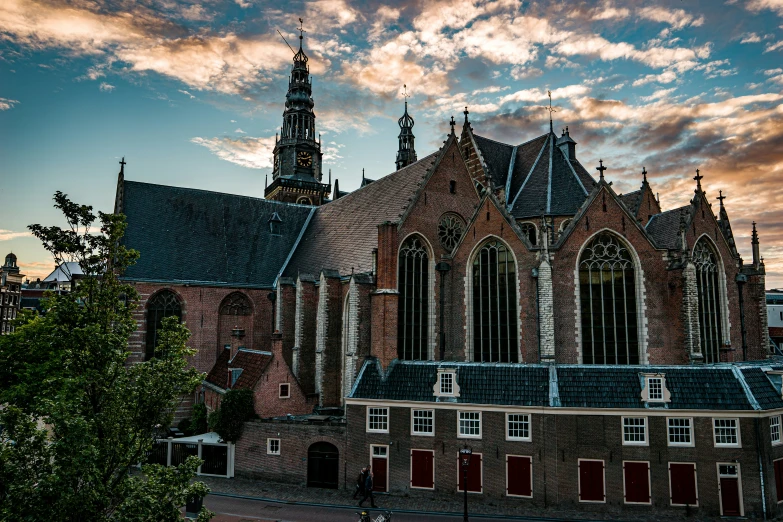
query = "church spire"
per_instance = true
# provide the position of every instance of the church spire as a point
(406, 153)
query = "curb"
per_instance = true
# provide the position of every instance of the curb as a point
(407, 511)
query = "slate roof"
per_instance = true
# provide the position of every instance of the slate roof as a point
(202, 237)
(497, 383)
(719, 387)
(631, 200)
(252, 362)
(342, 235)
(664, 228)
(542, 178)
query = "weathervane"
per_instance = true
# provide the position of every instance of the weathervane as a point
(550, 109)
(301, 29)
(405, 91)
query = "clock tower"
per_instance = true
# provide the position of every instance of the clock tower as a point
(297, 173)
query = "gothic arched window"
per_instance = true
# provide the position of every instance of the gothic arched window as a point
(450, 230)
(530, 231)
(495, 335)
(413, 312)
(163, 304)
(607, 290)
(235, 321)
(710, 310)
(236, 304)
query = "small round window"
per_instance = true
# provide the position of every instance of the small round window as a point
(450, 230)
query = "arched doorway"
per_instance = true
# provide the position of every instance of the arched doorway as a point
(323, 466)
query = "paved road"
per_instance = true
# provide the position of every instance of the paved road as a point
(228, 509)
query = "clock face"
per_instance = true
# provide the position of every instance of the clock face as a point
(304, 159)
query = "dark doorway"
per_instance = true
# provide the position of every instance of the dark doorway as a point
(323, 466)
(730, 498)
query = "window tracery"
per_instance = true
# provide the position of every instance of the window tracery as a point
(450, 230)
(607, 282)
(495, 332)
(413, 311)
(710, 309)
(161, 305)
(530, 231)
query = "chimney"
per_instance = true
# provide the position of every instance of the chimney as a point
(754, 242)
(567, 145)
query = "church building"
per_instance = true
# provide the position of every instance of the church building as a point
(595, 351)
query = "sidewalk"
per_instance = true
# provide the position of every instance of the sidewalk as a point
(432, 503)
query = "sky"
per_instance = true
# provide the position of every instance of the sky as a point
(191, 94)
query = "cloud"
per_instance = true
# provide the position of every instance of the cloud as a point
(331, 13)
(6, 104)
(657, 95)
(106, 87)
(676, 18)
(760, 5)
(750, 38)
(186, 93)
(773, 46)
(6, 235)
(664, 77)
(240, 131)
(246, 151)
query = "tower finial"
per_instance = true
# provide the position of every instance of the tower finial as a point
(466, 112)
(362, 175)
(601, 168)
(122, 166)
(698, 177)
(754, 243)
(644, 175)
(452, 123)
(301, 32)
(551, 110)
(721, 197)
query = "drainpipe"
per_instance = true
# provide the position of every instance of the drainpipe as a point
(443, 268)
(761, 468)
(741, 280)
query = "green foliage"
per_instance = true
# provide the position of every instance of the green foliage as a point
(77, 416)
(198, 422)
(236, 408)
(184, 427)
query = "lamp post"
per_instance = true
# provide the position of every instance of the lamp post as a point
(464, 455)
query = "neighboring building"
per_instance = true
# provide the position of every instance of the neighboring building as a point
(538, 289)
(10, 293)
(60, 281)
(775, 317)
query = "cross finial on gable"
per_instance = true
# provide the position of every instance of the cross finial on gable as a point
(698, 177)
(466, 112)
(644, 175)
(601, 168)
(721, 197)
(122, 165)
(452, 123)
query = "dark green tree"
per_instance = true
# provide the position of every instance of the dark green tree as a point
(77, 416)
(236, 408)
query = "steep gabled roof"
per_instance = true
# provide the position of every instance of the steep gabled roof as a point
(251, 362)
(343, 233)
(631, 200)
(664, 228)
(497, 157)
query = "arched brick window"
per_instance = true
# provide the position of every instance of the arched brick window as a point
(163, 304)
(413, 307)
(236, 312)
(710, 307)
(607, 292)
(495, 331)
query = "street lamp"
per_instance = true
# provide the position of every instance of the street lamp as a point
(464, 455)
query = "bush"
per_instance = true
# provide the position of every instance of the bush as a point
(235, 409)
(198, 423)
(184, 427)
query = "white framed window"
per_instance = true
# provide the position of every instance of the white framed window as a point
(726, 432)
(774, 429)
(518, 426)
(635, 431)
(655, 389)
(447, 383)
(680, 431)
(377, 419)
(469, 425)
(423, 422)
(273, 446)
(285, 391)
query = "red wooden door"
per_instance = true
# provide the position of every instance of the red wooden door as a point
(379, 469)
(778, 466)
(729, 495)
(422, 469)
(519, 476)
(474, 474)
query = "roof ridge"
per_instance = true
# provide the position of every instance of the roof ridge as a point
(530, 173)
(493, 141)
(271, 201)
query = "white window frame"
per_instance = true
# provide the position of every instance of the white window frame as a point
(437, 390)
(410, 470)
(665, 395)
(649, 483)
(444, 382)
(736, 420)
(695, 483)
(369, 409)
(739, 486)
(645, 442)
(413, 423)
(529, 437)
(579, 481)
(531, 475)
(481, 473)
(460, 435)
(269, 450)
(659, 395)
(690, 444)
(776, 419)
(280, 390)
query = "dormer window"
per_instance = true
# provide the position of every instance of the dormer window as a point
(654, 388)
(446, 384)
(274, 224)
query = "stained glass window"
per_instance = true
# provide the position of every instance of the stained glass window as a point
(710, 320)
(413, 318)
(163, 304)
(495, 335)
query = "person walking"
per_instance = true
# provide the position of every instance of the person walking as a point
(368, 485)
(360, 483)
